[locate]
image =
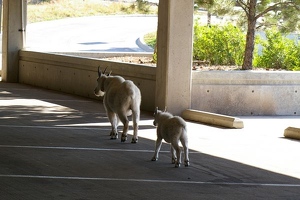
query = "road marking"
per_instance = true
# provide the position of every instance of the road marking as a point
(65, 100)
(152, 181)
(87, 149)
(56, 127)
(75, 148)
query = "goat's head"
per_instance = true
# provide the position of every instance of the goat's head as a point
(100, 89)
(156, 115)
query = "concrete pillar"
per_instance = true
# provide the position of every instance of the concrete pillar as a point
(174, 55)
(12, 38)
(0, 15)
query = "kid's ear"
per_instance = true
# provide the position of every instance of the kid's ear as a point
(155, 111)
(109, 73)
(165, 109)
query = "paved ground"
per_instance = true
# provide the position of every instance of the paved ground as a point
(112, 33)
(56, 146)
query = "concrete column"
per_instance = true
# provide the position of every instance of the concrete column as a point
(12, 38)
(174, 55)
(1, 14)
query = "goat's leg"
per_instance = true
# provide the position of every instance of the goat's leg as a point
(174, 157)
(113, 118)
(178, 153)
(186, 156)
(158, 144)
(184, 142)
(135, 120)
(123, 118)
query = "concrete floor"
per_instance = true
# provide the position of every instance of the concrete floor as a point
(57, 146)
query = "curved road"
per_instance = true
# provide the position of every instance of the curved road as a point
(90, 34)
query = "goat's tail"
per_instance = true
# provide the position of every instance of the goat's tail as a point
(184, 137)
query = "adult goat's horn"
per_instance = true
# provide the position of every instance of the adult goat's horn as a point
(104, 71)
(99, 72)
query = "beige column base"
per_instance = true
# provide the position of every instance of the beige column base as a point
(292, 132)
(213, 119)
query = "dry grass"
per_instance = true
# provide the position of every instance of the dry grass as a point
(58, 9)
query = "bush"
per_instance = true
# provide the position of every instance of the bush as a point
(225, 45)
(278, 52)
(150, 39)
(293, 59)
(221, 45)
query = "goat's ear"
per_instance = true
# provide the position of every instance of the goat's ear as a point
(165, 109)
(155, 111)
(109, 73)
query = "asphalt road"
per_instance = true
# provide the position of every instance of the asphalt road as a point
(90, 34)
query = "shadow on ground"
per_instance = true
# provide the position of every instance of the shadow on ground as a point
(57, 146)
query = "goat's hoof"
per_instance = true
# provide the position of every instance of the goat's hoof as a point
(134, 140)
(113, 137)
(177, 165)
(154, 159)
(186, 163)
(123, 139)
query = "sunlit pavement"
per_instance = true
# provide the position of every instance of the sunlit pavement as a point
(56, 146)
(112, 33)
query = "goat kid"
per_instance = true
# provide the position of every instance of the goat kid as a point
(172, 129)
(121, 98)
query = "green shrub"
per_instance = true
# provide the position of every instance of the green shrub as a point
(150, 39)
(293, 59)
(278, 52)
(221, 45)
(225, 45)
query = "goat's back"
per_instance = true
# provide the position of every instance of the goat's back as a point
(122, 94)
(170, 127)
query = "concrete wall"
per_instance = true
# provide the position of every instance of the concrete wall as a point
(230, 93)
(247, 92)
(77, 75)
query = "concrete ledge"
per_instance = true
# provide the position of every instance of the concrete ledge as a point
(105, 54)
(78, 75)
(213, 119)
(246, 92)
(292, 132)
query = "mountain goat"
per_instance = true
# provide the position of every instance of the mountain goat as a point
(121, 98)
(172, 129)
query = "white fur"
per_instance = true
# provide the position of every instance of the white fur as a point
(121, 98)
(172, 129)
